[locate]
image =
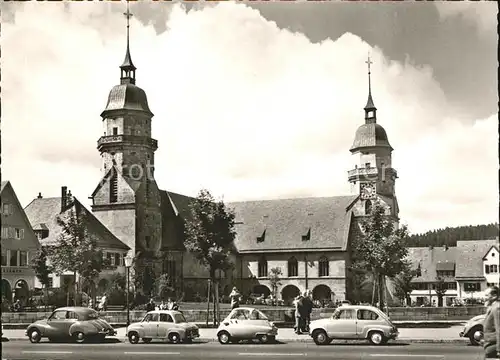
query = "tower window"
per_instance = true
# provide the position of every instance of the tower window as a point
(148, 241)
(367, 165)
(115, 131)
(113, 189)
(368, 207)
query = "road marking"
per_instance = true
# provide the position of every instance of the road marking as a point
(271, 354)
(408, 355)
(47, 352)
(151, 353)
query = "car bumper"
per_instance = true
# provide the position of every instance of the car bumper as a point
(393, 336)
(461, 334)
(108, 332)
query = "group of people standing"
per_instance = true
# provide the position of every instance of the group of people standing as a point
(303, 309)
(169, 305)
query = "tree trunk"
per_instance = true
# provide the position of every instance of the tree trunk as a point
(374, 290)
(208, 300)
(380, 289)
(216, 302)
(75, 287)
(46, 297)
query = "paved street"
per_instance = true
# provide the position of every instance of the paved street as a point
(200, 350)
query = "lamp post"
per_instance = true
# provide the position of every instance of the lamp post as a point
(128, 264)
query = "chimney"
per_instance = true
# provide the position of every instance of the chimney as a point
(39, 195)
(63, 198)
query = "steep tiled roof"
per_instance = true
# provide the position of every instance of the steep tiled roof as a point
(283, 223)
(471, 257)
(430, 260)
(3, 185)
(46, 210)
(174, 210)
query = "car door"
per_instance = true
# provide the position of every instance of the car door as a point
(240, 323)
(58, 324)
(366, 319)
(165, 324)
(151, 325)
(343, 324)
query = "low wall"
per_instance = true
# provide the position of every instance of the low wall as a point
(275, 314)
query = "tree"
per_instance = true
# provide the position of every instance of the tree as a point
(440, 289)
(42, 269)
(403, 283)
(76, 248)
(381, 248)
(209, 236)
(165, 287)
(275, 280)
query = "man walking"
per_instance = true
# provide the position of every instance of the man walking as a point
(492, 324)
(308, 307)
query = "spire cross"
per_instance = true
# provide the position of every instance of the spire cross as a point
(369, 62)
(128, 15)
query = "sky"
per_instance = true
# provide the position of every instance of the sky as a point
(261, 100)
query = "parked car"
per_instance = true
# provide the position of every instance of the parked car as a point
(354, 322)
(162, 324)
(77, 323)
(246, 324)
(473, 330)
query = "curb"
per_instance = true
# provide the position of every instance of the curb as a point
(307, 340)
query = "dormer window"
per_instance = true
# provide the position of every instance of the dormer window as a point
(262, 237)
(367, 165)
(307, 235)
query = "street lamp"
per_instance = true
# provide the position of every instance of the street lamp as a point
(128, 264)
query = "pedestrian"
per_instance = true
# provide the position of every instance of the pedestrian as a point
(299, 313)
(150, 306)
(235, 297)
(163, 306)
(491, 324)
(308, 307)
(17, 305)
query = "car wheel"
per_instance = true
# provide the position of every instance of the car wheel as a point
(79, 337)
(376, 337)
(320, 337)
(224, 337)
(264, 339)
(476, 335)
(35, 335)
(174, 338)
(133, 337)
(147, 340)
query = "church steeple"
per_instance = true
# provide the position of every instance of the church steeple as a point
(370, 109)
(127, 68)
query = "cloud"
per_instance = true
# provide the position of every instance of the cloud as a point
(477, 13)
(243, 108)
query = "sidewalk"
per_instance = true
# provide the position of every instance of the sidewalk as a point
(439, 335)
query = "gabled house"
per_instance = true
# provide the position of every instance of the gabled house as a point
(477, 268)
(19, 244)
(43, 214)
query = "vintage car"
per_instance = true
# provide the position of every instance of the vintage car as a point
(77, 323)
(473, 330)
(162, 324)
(246, 324)
(353, 322)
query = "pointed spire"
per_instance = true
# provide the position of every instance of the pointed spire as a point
(128, 68)
(370, 109)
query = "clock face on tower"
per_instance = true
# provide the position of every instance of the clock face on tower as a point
(367, 191)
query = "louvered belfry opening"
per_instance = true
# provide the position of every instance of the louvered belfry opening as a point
(113, 189)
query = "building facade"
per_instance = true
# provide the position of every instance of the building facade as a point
(283, 233)
(43, 214)
(19, 245)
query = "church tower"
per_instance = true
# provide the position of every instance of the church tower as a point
(373, 176)
(127, 199)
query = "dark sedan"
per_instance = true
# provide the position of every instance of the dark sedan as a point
(76, 323)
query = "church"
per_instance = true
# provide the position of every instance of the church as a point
(307, 238)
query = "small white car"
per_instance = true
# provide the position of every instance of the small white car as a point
(354, 322)
(165, 325)
(246, 324)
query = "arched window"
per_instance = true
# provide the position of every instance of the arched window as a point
(293, 267)
(324, 267)
(262, 267)
(368, 207)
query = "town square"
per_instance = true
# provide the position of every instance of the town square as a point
(277, 176)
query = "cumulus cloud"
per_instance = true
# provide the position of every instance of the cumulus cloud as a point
(242, 107)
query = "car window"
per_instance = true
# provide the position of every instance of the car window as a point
(166, 318)
(151, 317)
(345, 314)
(241, 314)
(58, 315)
(367, 315)
(91, 315)
(72, 315)
(257, 315)
(179, 318)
